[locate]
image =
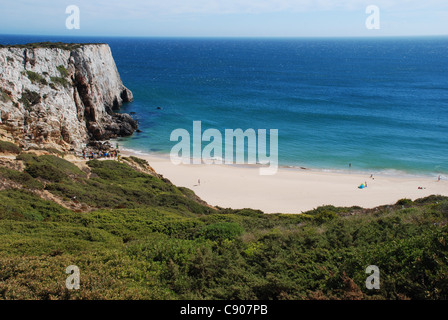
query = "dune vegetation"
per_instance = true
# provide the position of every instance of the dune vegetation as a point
(134, 235)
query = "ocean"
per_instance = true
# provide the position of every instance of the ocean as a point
(379, 104)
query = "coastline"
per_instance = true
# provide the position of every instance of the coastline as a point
(290, 190)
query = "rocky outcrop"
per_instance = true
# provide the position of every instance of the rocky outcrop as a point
(61, 96)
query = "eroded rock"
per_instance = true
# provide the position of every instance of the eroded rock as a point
(65, 96)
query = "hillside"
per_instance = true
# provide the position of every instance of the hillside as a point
(134, 235)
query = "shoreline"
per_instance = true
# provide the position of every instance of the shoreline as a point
(389, 172)
(290, 190)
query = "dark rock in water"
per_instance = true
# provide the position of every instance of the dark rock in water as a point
(126, 124)
(122, 125)
(126, 95)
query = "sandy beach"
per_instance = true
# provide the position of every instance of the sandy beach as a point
(291, 190)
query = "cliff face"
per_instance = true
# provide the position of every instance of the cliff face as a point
(61, 96)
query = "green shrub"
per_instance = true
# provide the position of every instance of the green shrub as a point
(188, 193)
(220, 231)
(179, 201)
(404, 202)
(111, 185)
(325, 216)
(50, 167)
(114, 170)
(160, 243)
(36, 78)
(23, 178)
(326, 213)
(60, 81)
(9, 147)
(45, 171)
(24, 205)
(249, 212)
(30, 98)
(62, 71)
(444, 209)
(430, 199)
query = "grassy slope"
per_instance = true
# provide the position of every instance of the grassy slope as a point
(140, 237)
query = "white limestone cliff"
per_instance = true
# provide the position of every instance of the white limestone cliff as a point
(61, 95)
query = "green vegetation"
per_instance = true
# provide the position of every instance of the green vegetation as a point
(9, 147)
(140, 237)
(221, 231)
(49, 167)
(62, 71)
(22, 178)
(143, 163)
(50, 45)
(30, 98)
(23, 205)
(36, 78)
(60, 81)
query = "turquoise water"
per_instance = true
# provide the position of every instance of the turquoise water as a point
(379, 104)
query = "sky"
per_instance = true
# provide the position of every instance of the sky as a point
(225, 18)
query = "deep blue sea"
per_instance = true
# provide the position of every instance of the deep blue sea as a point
(380, 104)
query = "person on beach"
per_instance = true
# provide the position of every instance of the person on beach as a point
(199, 182)
(438, 179)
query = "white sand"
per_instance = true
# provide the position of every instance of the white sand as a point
(291, 190)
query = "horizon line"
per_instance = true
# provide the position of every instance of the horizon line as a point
(228, 37)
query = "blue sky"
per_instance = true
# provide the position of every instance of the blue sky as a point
(225, 18)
